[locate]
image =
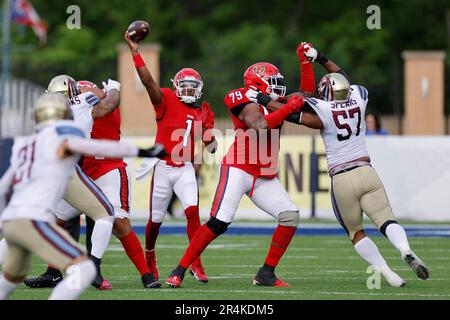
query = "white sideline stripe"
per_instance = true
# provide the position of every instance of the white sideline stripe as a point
(275, 292)
(313, 267)
(120, 256)
(287, 278)
(184, 246)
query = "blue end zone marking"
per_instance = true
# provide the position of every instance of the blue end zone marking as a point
(68, 130)
(425, 232)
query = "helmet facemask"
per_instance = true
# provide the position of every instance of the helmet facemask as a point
(276, 86)
(188, 89)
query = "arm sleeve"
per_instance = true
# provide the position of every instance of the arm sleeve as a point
(102, 148)
(307, 81)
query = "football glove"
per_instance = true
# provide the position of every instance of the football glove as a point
(306, 53)
(295, 103)
(256, 96)
(207, 116)
(111, 85)
(157, 151)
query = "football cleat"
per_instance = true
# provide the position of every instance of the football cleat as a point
(105, 286)
(416, 264)
(175, 278)
(98, 281)
(391, 277)
(199, 273)
(150, 256)
(43, 281)
(149, 281)
(266, 277)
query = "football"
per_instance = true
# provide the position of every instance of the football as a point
(138, 30)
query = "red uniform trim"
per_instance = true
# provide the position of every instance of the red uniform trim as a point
(220, 191)
(124, 190)
(151, 195)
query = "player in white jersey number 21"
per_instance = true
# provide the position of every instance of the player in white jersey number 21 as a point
(41, 165)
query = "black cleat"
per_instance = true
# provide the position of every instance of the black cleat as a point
(149, 281)
(266, 277)
(43, 281)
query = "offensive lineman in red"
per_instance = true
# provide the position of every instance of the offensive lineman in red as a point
(250, 167)
(112, 176)
(181, 119)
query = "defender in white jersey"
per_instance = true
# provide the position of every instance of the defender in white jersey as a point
(82, 194)
(39, 171)
(339, 112)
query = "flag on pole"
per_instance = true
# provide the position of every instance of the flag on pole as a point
(22, 12)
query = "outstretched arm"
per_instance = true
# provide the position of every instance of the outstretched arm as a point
(307, 119)
(318, 56)
(153, 89)
(106, 148)
(254, 119)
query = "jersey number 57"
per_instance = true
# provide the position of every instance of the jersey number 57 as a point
(345, 115)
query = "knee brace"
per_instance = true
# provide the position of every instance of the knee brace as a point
(289, 218)
(385, 225)
(217, 226)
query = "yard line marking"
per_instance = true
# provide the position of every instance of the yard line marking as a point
(275, 292)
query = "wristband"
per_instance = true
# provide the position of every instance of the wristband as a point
(321, 58)
(300, 118)
(263, 99)
(138, 61)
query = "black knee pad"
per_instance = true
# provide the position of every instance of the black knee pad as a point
(217, 226)
(385, 225)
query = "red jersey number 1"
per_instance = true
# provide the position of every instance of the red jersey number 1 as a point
(187, 132)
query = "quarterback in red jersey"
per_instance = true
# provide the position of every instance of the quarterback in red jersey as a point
(181, 119)
(250, 167)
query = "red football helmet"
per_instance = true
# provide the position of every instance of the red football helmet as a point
(86, 83)
(188, 85)
(266, 78)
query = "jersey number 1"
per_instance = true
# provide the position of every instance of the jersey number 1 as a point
(346, 114)
(187, 132)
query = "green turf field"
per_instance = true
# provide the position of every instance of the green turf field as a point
(317, 267)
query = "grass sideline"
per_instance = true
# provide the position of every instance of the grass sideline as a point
(317, 267)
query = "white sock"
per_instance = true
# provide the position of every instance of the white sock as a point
(2, 250)
(6, 287)
(367, 249)
(101, 234)
(78, 278)
(397, 236)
